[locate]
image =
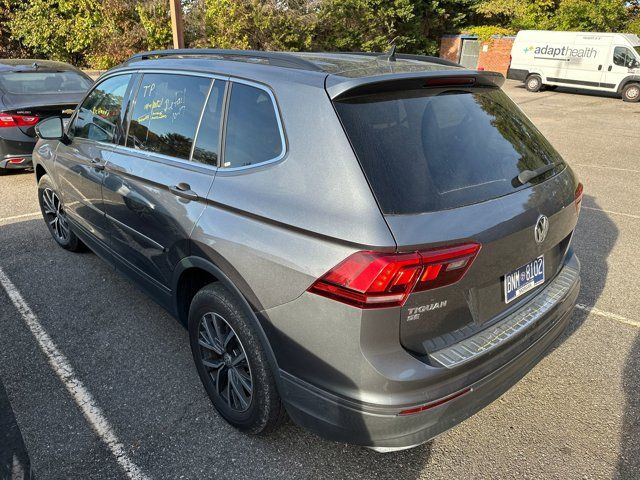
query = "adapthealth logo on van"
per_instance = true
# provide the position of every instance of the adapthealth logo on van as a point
(549, 51)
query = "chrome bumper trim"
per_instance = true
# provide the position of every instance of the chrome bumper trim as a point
(482, 342)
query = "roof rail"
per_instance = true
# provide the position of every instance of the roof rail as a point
(278, 59)
(405, 56)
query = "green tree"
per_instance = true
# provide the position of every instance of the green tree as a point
(519, 14)
(253, 24)
(155, 19)
(366, 25)
(576, 15)
(588, 15)
(61, 30)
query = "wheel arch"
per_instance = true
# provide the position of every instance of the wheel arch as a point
(190, 275)
(627, 80)
(40, 171)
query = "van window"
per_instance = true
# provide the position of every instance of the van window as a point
(424, 152)
(206, 149)
(166, 113)
(98, 117)
(253, 134)
(623, 57)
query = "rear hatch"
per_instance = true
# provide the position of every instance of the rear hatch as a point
(444, 164)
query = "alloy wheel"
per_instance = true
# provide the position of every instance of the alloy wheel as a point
(225, 359)
(55, 215)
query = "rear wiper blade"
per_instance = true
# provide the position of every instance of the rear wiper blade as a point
(527, 175)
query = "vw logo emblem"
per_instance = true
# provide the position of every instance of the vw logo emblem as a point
(541, 228)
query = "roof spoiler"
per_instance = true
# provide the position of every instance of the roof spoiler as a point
(340, 87)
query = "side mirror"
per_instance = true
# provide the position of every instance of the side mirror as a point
(51, 128)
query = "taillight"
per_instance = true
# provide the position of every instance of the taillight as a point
(578, 196)
(375, 280)
(11, 120)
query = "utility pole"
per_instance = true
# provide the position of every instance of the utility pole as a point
(176, 24)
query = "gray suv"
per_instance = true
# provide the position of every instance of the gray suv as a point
(377, 245)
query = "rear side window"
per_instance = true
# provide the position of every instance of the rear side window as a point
(424, 152)
(252, 132)
(99, 115)
(206, 149)
(166, 113)
(44, 82)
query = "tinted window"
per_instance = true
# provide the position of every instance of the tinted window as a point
(623, 57)
(206, 150)
(253, 135)
(424, 152)
(99, 115)
(166, 113)
(44, 82)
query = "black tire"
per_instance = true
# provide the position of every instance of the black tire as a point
(631, 92)
(264, 410)
(55, 217)
(533, 83)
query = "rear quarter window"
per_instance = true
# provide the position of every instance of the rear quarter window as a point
(425, 151)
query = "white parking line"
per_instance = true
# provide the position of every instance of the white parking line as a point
(65, 373)
(612, 316)
(630, 215)
(18, 217)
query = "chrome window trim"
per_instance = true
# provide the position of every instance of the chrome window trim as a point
(215, 76)
(276, 111)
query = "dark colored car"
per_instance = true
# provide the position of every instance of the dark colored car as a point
(31, 90)
(378, 245)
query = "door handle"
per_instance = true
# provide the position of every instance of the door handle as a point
(97, 164)
(184, 190)
(599, 67)
(610, 67)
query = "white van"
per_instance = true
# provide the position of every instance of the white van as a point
(597, 61)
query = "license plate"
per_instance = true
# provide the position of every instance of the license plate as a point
(523, 279)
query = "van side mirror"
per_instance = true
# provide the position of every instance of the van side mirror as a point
(51, 128)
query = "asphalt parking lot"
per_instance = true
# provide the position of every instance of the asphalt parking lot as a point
(575, 415)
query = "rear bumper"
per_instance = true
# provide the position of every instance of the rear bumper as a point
(15, 144)
(380, 426)
(517, 74)
(10, 162)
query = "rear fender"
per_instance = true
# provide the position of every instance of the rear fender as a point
(206, 265)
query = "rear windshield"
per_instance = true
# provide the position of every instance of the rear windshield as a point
(43, 82)
(424, 152)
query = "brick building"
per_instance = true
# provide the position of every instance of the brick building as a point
(494, 54)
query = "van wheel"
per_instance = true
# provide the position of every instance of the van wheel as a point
(533, 83)
(231, 362)
(55, 216)
(631, 92)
